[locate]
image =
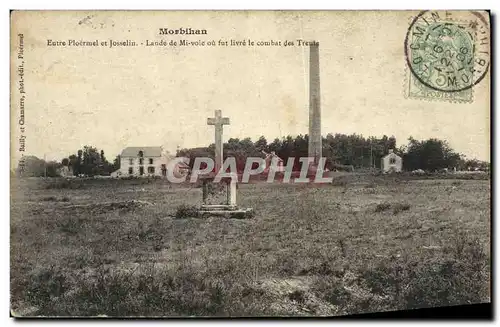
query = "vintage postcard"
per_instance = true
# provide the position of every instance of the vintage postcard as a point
(249, 163)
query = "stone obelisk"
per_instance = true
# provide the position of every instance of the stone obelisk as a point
(315, 145)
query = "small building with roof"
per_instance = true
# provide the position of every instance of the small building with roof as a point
(392, 163)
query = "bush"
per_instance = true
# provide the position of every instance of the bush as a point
(398, 207)
(185, 211)
(382, 207)
(152, 233)
(70, 224)
(44, 285)
(332, 290)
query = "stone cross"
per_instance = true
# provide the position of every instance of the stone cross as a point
(218, 121)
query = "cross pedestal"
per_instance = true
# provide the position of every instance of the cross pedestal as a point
(229, 185)
(229, 208)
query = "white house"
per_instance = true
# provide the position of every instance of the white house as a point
(392, 163)
(145, 161)
(148, 161)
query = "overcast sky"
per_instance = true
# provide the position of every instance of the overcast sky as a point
(112, 98)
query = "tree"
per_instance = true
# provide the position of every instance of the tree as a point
(90, 161)
(261, 144)
(31, 166)
(430, 155)
(77, 170)
(116, 163)
(52, 169)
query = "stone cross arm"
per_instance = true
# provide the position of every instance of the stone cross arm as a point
(218, 121)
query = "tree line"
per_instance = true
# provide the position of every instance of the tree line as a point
(338, 149)
(346, 150)
(88, 161)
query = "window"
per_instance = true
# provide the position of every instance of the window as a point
(140, 154)
(141, 161)
(392, 161)
(150, 161)
(130, 170)
(130, 161)
(151, 170)
(141, 170)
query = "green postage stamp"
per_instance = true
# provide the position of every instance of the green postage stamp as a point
(447, 53)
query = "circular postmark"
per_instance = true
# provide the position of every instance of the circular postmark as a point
(448, 51)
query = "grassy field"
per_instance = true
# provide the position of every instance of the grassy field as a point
(116, 248)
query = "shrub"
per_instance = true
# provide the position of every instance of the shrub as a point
(152, 233)
(70, 224)
(397, 208)
(185, 211)
(382, 207)
(44, 285)
(331, 290)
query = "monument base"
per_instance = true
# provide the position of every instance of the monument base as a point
(228, 209)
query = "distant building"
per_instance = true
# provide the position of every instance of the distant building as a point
(392, 163)
(279, 162)
(65, 171)
(146, 161)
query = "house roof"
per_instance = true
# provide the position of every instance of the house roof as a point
(391, 155)
(148, 151)
(272, 155)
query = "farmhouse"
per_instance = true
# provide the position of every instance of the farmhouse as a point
(391, 163)
(143, 161)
